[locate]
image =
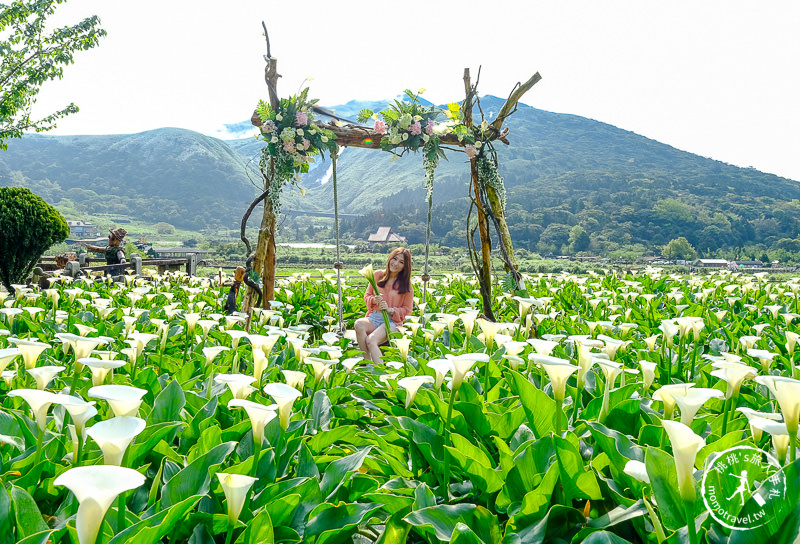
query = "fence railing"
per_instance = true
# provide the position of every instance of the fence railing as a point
(84, 265)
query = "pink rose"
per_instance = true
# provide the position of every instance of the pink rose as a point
(416, 128)
(429, 127)
(306, 143)
(471, 151)
(380, 127)
(301, 118)
(288, 146)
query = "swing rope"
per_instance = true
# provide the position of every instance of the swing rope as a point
(338, 265)
(425, 275)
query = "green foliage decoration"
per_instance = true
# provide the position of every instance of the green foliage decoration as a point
(490, 177)
(29, 226)
(31, 55)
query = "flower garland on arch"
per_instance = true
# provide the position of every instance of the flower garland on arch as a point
(408, 125)
(293, 139)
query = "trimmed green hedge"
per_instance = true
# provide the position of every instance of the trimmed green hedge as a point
(28, 226)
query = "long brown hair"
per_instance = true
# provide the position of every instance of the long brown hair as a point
(403, 281)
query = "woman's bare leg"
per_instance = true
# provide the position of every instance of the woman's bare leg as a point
(363, 328)
(373, 341)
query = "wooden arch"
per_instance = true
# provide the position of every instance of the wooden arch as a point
(484, 198)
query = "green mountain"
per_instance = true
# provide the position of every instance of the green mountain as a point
(573, 184)
(170, 174)
(564, 171)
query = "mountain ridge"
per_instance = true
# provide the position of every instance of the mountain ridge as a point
(559, 169)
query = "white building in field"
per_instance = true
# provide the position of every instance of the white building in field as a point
(82, 229)
(711, 263)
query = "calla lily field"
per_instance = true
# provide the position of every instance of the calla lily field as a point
(598, 408)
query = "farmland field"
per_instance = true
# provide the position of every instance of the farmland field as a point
(606, 407)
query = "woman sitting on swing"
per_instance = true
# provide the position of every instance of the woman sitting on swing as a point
(396, 297)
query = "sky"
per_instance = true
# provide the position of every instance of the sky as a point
(715, 78)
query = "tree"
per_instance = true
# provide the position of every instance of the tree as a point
(32, 55)
(165, 228)
(555, 236)
(673, 211)
(679, 248)
(29, 226)
(579, 239)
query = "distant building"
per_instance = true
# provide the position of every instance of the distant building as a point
(82, 229)
(178, 252)
(385, 236)
(711, 263)
(747, 264)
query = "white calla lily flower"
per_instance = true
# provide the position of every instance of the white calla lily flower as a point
(349, 364)
(259, 415)
(461, 364)
(754, 415)
(779, 434)
(403, 345)
(543, 347)
(637, 470)
(692, 399)
(296, 378)
(441, 367)
(123, 399)
(211, 352)
(8, 377)
(648, 373)
(685, 445)
(320, 366)
(100, 368)
(30, 350)
(489, 329)
(734, 375)
(115, 435)
(7, 355)
(239, 384)
(236, 336)
(191, 321)
(235, 487)
(558, 370)
(468, 319)
(284, 396)
(43, 375)
(79, 410)
(260, 363)
(787, 392)
(139, 340)
(39, 401)
(96, 487)
(666, 393)
(412, 384)
(791, 341)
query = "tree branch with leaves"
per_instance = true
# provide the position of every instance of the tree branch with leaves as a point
(32, 54)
